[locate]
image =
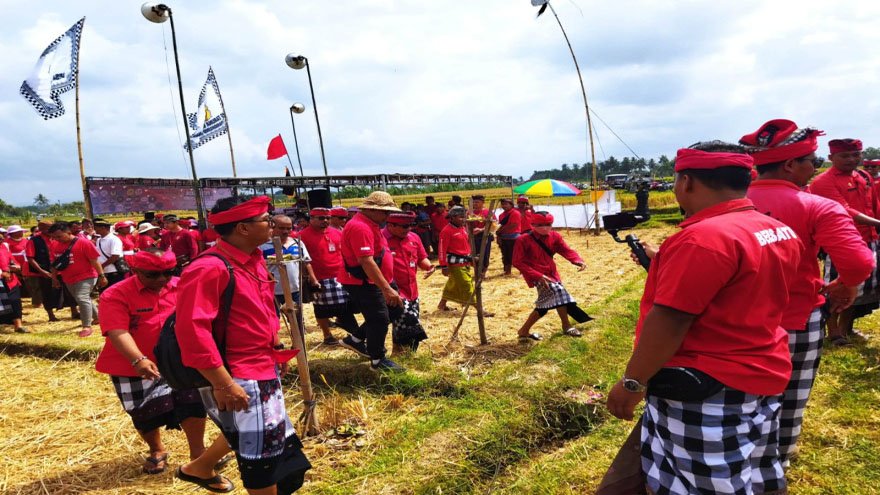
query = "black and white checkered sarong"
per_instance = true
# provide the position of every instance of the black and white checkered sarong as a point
(407, 329)
(552, 296)
(458, 259)
(713, 446)
(331, 294)
(806, 351)
(152, 403)
(5, 305)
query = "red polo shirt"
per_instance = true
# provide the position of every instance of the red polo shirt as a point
(510, 224)
(533, 262)
(128, 305)
(5, 262)
(252, 324)
(19, 254)
(525, 221)
(818, 222)
(363, 237)
(182, 243)
(485, 213)
(852, 190)
(438, 221)
(407, 254)
(128, 243)
(146, 242)
(325, 248)
(453, 240)
(79, 268)
(733, 268)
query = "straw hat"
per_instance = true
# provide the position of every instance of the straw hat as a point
(379, 200)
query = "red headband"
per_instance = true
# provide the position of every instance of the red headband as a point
(769, 142)
(844, 145)
(248, 209)
(320, 212)
(690, 159)
(145, 260)
(402, 218)
(542, 219)
(339, 211)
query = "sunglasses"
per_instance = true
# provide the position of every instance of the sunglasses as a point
(154, 275)
(321, 218)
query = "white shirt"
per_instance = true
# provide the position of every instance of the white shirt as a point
(108, 247)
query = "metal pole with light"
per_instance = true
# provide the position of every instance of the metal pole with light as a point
(297, 108)
(298, 62)
(159, 13)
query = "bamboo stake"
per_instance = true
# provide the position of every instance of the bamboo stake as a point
(226, 116)
(87, 199)
(478, 278)
(308, 418)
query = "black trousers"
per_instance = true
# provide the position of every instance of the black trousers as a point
(368, 300)
(487, 253)
(507, 246)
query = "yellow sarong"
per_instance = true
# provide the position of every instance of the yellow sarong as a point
(459, 285)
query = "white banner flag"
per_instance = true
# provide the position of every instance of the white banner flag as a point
(209, 120)
(54, 74)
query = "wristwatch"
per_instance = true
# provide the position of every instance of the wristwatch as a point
(633, 386)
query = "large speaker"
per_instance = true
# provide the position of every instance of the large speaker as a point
(320, 198)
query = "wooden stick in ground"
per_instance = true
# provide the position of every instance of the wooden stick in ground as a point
(478, 278)
(308, 417)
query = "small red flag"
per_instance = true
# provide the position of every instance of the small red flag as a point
(276, 148)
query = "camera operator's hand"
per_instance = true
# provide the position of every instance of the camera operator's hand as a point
(650, 250)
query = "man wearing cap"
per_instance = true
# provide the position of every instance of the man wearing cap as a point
(455, 260)
(533, 257)
(148, 236)
(785, 157)
(109, 251)
(710, 351)
(509, 225)
(132, 314)
(180, 241)
(123, 232)
(367, 274)
(845, 183)
(525, 211)
(438, 223)
(245, 399)
(81, 272)
(338, 217)
(479, 229)
(324, 245)
(409, 255)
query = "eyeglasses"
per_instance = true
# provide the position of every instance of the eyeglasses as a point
(154, 275)
(817, 161)
(322, 218)
(268, 220)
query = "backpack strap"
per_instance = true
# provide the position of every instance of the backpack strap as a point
(541, 244)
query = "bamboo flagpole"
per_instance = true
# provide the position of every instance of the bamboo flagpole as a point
(87, 199)
(226, 117)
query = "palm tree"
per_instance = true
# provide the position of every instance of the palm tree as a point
(41, 201)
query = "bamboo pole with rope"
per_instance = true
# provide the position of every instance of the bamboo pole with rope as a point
(226, 117)
(87, 199)
(477, 296)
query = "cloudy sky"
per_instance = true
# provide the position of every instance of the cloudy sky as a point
(430, 86)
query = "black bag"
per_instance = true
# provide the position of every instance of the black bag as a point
(167, 350)
(358, 271)
(121, 265)
(683, 384)
(63, 261)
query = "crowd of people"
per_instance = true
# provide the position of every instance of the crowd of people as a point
(727, 346)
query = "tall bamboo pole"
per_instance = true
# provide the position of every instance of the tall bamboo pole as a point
(225, 116)
(87, 199)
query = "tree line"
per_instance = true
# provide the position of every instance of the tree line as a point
(576, 172)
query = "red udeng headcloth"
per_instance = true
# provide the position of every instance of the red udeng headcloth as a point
(152, 262)
(248, 209)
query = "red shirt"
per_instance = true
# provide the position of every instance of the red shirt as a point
(128, 243)
(146, 242)
(31, 251)
(852, 190)
(818, 222)
(525, 221)
(363, 237)
(19, 254)
(408, 252)
(438, 221)
(182, 242)
(732, 267)
(453, 240)
(325, 249)
(510, 222)
(533, 262)
(210, 236)
(128, 305)
(485, 213)
(5, 262)
(252, 325)
(80, 267)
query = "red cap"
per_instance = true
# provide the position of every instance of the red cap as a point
(844, 145)
(243, 211)
(522, 199)
(319, 212)
(121, 225)
(145, 260)
(339, 211)
(542, 218)
(690, 159)
(779, 140)
(406, 218)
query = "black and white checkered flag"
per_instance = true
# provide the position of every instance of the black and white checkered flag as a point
(205, 124)
(54, 74)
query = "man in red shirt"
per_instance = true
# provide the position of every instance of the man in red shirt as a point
(710, 350)
(438, 222)
(324, 245)
(39, 256)
(509, 226)
(132, 314)
(79, 274)
(455, 260)
(533, 257)
(853, 188)
(245, 398)
(180, 241)
(525, 211)
(409, 255)
(785, 157)
(9, 272)
(123, 232)
(148, 236)
(367, 274)
(17, 244)
(338, 217)
(480, 229)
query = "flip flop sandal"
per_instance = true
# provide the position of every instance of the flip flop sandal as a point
(160, 464)
(523, 339)
(223, 462)
(839, 341)
(331, 341)
(572, 332)
(206, 483)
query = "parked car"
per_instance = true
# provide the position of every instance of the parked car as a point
(616, 181)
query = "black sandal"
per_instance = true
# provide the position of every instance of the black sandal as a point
(206, 483)
(532, 336)
(223, 462)
(572, 332)
(156, 461)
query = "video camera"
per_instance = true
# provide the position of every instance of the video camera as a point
(623, 221)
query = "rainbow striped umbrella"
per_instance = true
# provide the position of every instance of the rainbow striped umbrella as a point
(547, 187)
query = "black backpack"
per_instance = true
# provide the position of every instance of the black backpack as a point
(167, 350)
